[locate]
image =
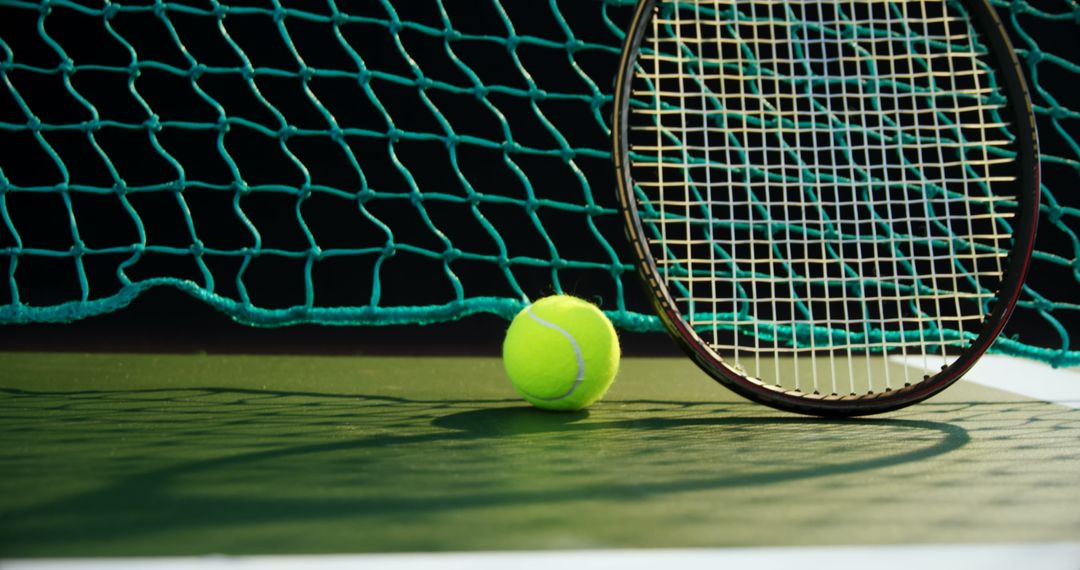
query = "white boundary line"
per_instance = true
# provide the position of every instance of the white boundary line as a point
(1062, 556)
(1021, 376)
(1028, 378)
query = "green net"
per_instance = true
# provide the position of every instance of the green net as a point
(380, 163)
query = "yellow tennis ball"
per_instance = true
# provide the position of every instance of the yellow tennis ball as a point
(561, 353)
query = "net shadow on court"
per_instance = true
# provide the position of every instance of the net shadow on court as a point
(178, 470)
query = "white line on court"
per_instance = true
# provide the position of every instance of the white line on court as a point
(1024, 377)
(1028, 378)
(1063, 556)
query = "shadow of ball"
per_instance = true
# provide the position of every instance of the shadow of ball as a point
(511, 421)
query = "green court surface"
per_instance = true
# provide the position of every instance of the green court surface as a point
(156, 455)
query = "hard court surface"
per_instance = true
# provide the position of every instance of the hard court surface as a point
(160, 455)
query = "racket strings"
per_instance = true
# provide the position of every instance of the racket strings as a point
(823, 180)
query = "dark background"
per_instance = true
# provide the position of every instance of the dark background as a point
(166, 320)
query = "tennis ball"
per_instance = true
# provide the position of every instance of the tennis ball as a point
(561, 353)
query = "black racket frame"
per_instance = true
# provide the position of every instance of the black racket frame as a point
(1018, 112)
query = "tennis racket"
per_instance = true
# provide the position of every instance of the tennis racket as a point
(832, 203)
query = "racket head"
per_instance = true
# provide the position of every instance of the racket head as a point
(1018, 192)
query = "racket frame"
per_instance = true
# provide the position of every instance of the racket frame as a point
(1014, 86)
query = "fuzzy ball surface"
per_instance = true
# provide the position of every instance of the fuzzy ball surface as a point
(561, 353)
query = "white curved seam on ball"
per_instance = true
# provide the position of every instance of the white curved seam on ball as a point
(577, 354)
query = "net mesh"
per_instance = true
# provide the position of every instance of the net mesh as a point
(387, 163)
